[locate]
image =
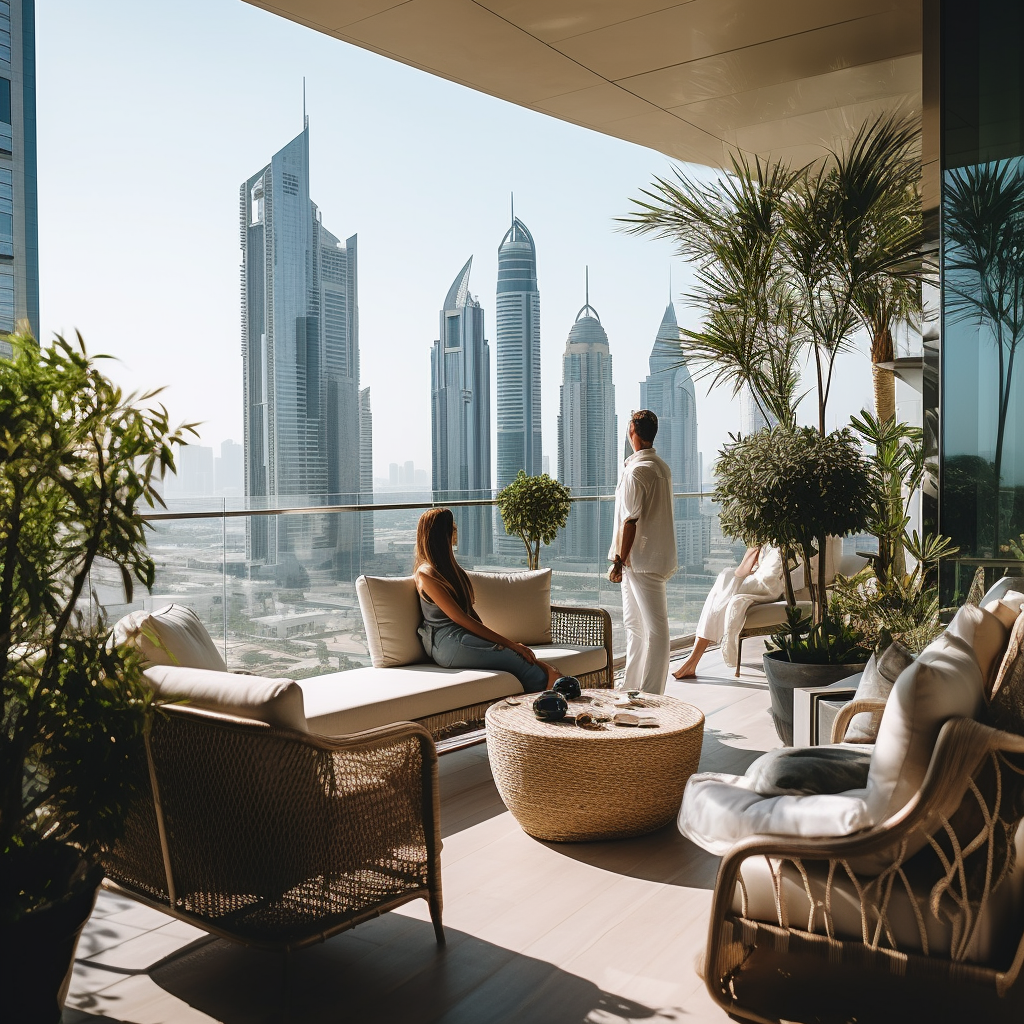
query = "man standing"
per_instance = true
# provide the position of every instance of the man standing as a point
(643, 555)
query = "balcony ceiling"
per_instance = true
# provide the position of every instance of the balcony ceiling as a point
(690, 79)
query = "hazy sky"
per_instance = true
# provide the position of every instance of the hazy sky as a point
(152, 114)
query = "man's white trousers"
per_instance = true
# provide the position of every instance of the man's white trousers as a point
(645, 617)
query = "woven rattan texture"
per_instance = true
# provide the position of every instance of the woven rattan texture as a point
(276, 837)
(585, 627)
(563, 783)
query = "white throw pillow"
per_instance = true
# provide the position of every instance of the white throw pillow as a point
(515, 604)
(876, 683)
(720, 810)
(278, 702)
(390, 606)
(944, 682)
(173, 635)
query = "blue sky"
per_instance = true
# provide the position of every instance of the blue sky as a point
(151, 115)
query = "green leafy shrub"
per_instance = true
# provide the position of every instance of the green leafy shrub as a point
(534, 508)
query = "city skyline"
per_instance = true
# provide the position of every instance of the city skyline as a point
(369, 115)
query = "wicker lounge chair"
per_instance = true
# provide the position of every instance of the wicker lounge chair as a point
(962, 958)
(277, 838)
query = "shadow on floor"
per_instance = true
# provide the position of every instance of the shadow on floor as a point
(388, 971)
(719, 756)
(662, 856)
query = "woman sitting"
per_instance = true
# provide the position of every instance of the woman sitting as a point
(758, 578)
(452, 633)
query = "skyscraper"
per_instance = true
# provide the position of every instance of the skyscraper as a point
(752, 419)
(19, 234)
(669, 393)
(587, 433)
(300, 350)
(518, 341)
(460, 406)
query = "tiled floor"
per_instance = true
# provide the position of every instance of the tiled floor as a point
(537, 932)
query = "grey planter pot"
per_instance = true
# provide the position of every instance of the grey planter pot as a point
(785, 676)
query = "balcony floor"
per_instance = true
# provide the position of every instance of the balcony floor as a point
(540, 932)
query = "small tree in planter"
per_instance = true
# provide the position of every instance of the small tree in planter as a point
(534, 508)
(793, 489)
(78, 463)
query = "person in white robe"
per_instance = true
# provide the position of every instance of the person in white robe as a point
(758, 578)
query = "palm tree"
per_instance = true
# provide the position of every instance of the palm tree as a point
(731, 230)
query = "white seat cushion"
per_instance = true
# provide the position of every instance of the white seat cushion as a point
(278, 702)
(573, 661)
(364, 698)
(515, 604)
(770, 613)
(173, 635)
(390, 606)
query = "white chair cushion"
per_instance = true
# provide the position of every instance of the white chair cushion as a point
(364, 698)
(173, 635)
(719, 810)
(390, 606)
(876, 683)
(278, 702)
(770, 613)
(515, 604)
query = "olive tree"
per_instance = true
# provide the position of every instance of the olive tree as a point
(534, 508)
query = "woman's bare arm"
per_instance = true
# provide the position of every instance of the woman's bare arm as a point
(433, 591)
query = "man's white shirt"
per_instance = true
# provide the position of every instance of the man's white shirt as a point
(644, 493)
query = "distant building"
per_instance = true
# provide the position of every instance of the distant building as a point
(195, 471)
(229, 471)
(669, 393)
(300, 349)
(366, 472)
(752, 419)
(587, 434)
(518, 354)
(460, 406)
(19, 231)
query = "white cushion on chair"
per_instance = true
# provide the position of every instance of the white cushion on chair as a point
(390, 606)
(278, 702)
(515, 604)
(173, 635)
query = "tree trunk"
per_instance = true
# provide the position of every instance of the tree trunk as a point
(884, 382)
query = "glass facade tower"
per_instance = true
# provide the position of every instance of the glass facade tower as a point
(460, 406)
(669, 393)
(518, 341)
(19, 232)
(587, 435)
(300, 350)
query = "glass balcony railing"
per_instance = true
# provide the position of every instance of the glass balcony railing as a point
(276, 586)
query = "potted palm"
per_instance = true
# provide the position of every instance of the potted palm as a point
(534, 508)
(78, 463)
(794, 489)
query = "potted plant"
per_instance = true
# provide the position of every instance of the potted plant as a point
(78, 462)
(794, 489)
(534, 508)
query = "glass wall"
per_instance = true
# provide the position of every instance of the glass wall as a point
(982, 396)
(301, 617)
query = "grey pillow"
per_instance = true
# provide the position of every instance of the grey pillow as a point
(876, 683)
(806, 770)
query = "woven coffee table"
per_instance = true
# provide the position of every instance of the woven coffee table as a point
(567, 784)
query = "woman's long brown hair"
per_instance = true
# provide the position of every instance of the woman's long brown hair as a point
(434, 549)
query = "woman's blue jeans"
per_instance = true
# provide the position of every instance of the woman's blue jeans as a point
(455, 647)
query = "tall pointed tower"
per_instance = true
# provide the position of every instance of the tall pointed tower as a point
(669, 393)
(460, 405)
(587, 433)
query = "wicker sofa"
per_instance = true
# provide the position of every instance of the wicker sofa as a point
(401, 685)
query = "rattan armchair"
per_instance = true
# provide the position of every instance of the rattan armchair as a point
(772, 970)
(279, 839)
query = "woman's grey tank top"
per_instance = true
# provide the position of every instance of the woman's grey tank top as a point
(433, 615)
